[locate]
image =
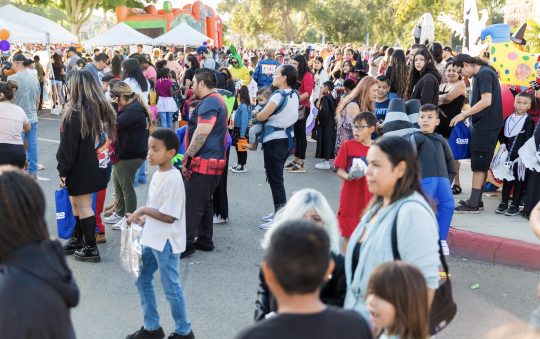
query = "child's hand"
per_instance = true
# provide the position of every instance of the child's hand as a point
(135, 217)
(254, 112)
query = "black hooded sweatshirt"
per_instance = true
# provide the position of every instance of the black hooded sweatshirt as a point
(427, 88)
(37, 291)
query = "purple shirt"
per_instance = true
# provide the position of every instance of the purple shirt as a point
(163, 87)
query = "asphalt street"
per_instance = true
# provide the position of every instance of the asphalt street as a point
(220, 286)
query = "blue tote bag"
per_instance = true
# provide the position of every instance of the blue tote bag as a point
(459, 141)
(65, 221)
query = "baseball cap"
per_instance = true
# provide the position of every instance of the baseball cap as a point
(447, 48)
(202, 49)
(19, 58)
(72, 49)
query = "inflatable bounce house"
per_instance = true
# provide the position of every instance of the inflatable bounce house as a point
(516, 68)
(153, 22)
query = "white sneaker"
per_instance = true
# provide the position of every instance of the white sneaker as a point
(218, 220)
(239, 169)
(232, 167)
(311, 140)
(324, 165)
(112, 219)
(121, 223)
(266, 225)
(445, 248)
(268, 217)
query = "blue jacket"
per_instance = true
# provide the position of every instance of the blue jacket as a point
(264, 73)
(241, 119)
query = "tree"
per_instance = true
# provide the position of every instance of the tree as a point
(341, 20)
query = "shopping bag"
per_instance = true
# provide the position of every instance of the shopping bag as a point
(65, 221)
(131, 248)
(459, 141)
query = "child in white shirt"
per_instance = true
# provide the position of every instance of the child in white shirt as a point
(163, 239)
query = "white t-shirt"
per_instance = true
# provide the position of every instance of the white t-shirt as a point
(320, 79)
(166, 194)
(137, 89)
(287, 117)
(12, 118)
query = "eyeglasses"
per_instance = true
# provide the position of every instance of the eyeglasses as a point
(359, 127)
(113, 95)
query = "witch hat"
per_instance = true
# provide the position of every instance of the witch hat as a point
(517, 37)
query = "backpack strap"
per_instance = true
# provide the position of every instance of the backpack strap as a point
(394, 241)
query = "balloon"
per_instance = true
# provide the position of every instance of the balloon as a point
(208, 41)
(4, 45)
(205, 43)
(4, 34)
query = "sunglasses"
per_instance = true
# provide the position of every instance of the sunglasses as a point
(113, 95)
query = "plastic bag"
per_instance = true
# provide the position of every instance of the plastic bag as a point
(65, 221)
(501, 167)
(131, 249)
(459, 141)
(358, 168)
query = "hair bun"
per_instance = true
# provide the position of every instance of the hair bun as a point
(13, 85)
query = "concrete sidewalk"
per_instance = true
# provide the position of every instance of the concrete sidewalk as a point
(489, 236)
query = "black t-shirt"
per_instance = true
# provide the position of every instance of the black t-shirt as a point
(486, 81)
(332, 323)
(190, 72)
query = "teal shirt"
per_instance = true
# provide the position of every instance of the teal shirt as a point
(27, 94)
(417, 238)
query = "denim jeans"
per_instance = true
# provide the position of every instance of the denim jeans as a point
(166, 119)
(140, 176)
(276, 153)
(32, 149)
(168, 264)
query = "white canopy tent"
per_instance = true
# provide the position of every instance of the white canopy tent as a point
(120, 34)
(19, 34)
(182, 34)
(52, 32)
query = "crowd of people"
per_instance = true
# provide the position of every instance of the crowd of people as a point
(383, 119)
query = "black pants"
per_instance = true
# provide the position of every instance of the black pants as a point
(300, 140)
(242, 157)
(11, 154)
(199, 211)
(276, 153)
(518, 186)
(220, 200)
(41, 83)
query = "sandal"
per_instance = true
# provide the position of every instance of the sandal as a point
(456, 189)
(297, 168)
(290, 165)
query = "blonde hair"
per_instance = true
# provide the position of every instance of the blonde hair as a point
(359, 95)
(122, 89)
(301, 202)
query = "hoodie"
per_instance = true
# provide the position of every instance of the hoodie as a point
(427, 88)
(240, 72)
(37, 290)
(264, 73)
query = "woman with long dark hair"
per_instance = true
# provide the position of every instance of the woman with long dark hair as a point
(320, 76)
(277, 141)
(436, 51)
(307, 83)
(13, 122)
(116, 67)
(193, 65)
(58, 77)
(37, 288)
(424, 79)
(393, 179)
(83, 158)
(397, 72)
(134, 77)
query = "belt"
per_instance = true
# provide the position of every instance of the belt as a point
(207, 166)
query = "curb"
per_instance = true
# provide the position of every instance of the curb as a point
(494, 249)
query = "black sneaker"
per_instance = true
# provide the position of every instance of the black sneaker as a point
(513, 210)
(72, 245)
(466, 209)
(145, 334)
(480, 205)
(190, 249)
(88, 254)
(205, 248)
(173, 335)
(502, 208)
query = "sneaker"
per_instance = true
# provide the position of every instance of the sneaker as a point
(445, 248)
(311, 140)
(118, 226)
(145, 334)
(113, 219)
(218, 220)
(190, 249)
(204, 248)
(266, 225)
(290, 165)
(512, 210)
(268, 217)
(239, 169)
(480, 205)
(324, 165)
(297, 168)
(100, 238)
(88, 254)
(466, 209)
(173, 335)
(231, 168)
(502, 208)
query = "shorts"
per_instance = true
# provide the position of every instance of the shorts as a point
(482, 147)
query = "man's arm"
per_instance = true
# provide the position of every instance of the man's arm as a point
(199, 138)
(483, 103)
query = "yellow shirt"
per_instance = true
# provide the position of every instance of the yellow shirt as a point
(241, 73)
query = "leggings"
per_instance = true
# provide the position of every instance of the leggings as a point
(300, 139)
